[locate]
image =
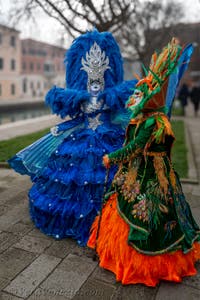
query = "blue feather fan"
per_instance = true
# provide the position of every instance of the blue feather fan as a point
(176, 76)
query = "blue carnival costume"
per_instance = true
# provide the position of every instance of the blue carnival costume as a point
(66, 164)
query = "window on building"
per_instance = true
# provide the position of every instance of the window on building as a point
(13, 41)
(49, 68)
(24, 85)
(46, 68)
(1, 38)
(0, 89)
(32, 51)
(1, 63)
(12, 89)
(31, 66)
(38, 85)
(38, 66)
(24, 66)
(31, 84)
(41, 53)
(13, 64)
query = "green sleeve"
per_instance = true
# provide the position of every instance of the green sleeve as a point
(135, 146)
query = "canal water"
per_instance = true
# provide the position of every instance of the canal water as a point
(22, 111)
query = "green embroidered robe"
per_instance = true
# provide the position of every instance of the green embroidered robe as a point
(150, 197)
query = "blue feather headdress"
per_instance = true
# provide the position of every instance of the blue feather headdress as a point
(116, 91)
(76, 78)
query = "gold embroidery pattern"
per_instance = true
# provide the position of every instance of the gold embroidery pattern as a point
(140, 209)
(160, 172)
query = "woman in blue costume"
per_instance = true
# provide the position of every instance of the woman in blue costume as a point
(65, 165)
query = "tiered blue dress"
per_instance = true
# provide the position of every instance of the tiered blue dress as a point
(67, 169)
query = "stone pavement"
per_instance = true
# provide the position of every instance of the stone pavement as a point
(34, 266)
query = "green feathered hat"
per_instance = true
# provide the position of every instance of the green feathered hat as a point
(153, 87)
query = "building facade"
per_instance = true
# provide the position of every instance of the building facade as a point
(42, 66)
(28, 68)
(10, 63)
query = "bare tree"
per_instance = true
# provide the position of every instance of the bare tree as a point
(146, 31)
(131, 21)
(78, 16)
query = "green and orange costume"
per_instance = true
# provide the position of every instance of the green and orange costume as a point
(146, 231)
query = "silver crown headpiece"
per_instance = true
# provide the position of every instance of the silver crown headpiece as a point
(95, 65)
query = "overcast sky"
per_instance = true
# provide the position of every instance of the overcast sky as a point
(48, 30)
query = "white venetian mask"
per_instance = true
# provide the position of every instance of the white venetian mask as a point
(135, 99)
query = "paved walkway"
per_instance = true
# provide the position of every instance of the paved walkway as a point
(34, 266)
(10, 130)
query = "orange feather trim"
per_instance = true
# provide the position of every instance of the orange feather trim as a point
(130, 266)
(147, 81)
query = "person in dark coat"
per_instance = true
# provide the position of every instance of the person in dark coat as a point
(183, 96)
(195, 99)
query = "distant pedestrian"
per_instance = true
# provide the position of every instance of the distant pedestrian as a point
(195, 98)
(183, 96)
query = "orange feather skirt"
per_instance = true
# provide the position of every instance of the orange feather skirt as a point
(130, 266)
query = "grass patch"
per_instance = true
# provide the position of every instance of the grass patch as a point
(10, 147)
(177, 109)
(179, 150)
